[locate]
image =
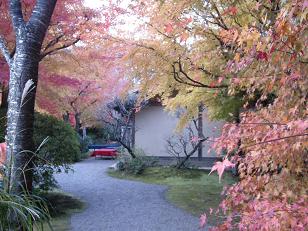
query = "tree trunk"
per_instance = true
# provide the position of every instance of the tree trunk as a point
(239, 150)
(130, 151)
(133, 134)
(200, 130)
(84, 133)
(78, 124)
(66, 117)
(24, 67)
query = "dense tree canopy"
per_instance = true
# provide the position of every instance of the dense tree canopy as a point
(247, 62)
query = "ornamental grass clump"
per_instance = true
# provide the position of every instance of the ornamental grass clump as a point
(22, 212)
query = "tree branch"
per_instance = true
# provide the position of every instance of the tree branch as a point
(53, 42)
(16, 14)
(151, 25)
(191, 82)
(277, 139)
(50, 52)
(42, 13)
(5, 51)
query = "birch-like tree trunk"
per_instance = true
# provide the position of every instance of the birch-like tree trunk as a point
(24, 64)
(200, 130)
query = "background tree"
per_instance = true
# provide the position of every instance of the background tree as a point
(88, 78)
(118, 117)
(187, 143)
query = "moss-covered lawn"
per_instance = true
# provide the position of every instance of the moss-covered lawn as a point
(61, 207)
(192, 190)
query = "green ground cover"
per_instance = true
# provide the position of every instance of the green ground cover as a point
(61, 207)
(190, 189)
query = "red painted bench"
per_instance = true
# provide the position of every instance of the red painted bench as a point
(104, 152)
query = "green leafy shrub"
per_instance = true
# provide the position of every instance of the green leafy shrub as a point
(61, 149)
(132, 165)
(62, 146)
(84, 144)
(136, 165)
(98, 135)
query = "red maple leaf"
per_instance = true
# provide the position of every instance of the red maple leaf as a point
(232, 10)
(220, 167)
(262, 56)
(169, 28)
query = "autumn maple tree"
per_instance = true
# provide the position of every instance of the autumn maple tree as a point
(87, 78)
(246, 61)
(30, 31)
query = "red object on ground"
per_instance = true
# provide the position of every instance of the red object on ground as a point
(104, 152)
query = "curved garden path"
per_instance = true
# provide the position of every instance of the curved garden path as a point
(120, 205)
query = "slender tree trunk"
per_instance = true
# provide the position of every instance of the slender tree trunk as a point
(133, 134)
(200, 130)
(23, 68)
(66, 117)
(240, 151)
(130, 151)
(78, 124)
(84, 133)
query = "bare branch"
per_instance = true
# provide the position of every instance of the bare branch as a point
(160, 32)
(188, 80)
(53, 42)
(50, 52)
(219, 18)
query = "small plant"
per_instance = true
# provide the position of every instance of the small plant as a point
(22, 212)
(136, 165)
(84, 144)
(183, 146)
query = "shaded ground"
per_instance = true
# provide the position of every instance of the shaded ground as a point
(61, 206)
(118, 205)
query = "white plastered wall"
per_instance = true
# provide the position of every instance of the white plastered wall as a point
(154, 126)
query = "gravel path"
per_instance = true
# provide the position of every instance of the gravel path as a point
(121, 205)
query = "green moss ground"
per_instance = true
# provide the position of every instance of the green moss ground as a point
(192, 190)
(61, 207)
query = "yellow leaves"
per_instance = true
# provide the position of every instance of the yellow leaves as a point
(298, 46)
(248, 37)
(283, 27)
(229, 36)
(184, 36)
(237, 57)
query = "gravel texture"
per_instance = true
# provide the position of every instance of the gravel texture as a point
(121, 205)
